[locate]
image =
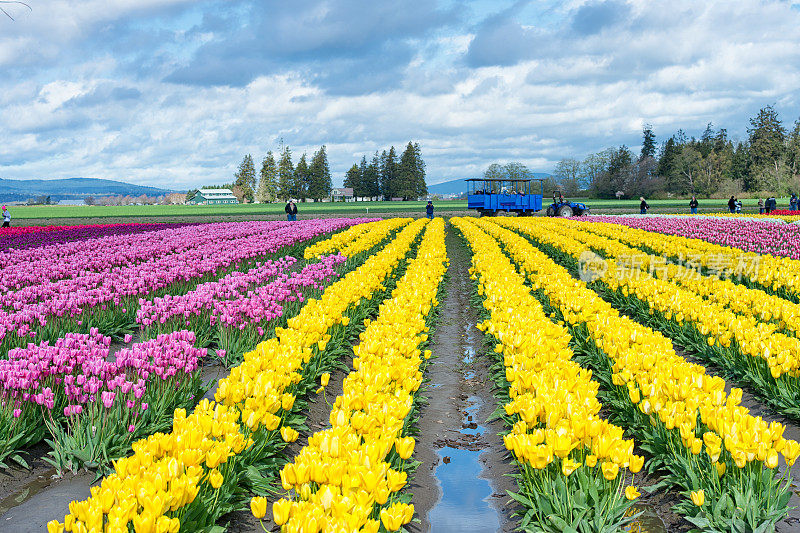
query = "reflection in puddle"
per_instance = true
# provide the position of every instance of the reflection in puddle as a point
(647, 522)
(34, 487)
(464, 506)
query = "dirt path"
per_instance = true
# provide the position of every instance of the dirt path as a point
(459, 451)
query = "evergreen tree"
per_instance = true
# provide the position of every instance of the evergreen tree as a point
(707, 140)
(648, 142)
(793, 150)
(667, 164)
(767, 136)
(407, 174)
(352, 179)
(389, 174)
(285, 174)
(319, 184)
(740, 164)
(301, 179)
(363, 186)
(372, 177)
(245, 177)
(419, 173)
(268, 183)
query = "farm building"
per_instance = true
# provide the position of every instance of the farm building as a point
(342, 194)
(213, 197)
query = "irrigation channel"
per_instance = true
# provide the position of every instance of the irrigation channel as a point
(465, 472)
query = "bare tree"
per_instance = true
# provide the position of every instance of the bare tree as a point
(6, 13)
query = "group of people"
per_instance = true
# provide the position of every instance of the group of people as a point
(767, 206)
(735, 205)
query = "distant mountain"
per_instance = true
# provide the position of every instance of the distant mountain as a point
(71, 189)
(459, 186)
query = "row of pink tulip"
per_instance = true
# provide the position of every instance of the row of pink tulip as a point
(204, 298)
(104, 293)
(264, 303)
(237, 315)
(74, 259)
(77, 383)
(22, 237)
(746, 234)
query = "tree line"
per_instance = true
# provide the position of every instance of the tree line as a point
(280, 178)
(386, 176)
(767, 162)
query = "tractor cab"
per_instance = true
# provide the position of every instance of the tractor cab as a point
(563, 208)
(492, 197)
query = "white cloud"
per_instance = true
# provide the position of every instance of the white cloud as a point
(676, 66)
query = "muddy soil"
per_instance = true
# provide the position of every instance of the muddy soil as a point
(458, 449)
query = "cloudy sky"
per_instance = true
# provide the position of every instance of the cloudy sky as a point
(173, 92)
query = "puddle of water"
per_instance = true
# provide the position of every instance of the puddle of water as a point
(32, 488)
(39, 502)
(469, 375)
(464, 507)
(647, 522)
(471, 417)
(469, 355)
(435, 385)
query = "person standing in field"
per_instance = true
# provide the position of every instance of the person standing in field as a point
(732, 205)
(6, 217)
(643, 207)
(693, 205)
(429, 209)
(760, 206)
(291, 211)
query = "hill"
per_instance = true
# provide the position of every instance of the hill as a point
(71, 189)
(459, 186)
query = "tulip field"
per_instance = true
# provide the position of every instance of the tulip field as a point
(628, 360)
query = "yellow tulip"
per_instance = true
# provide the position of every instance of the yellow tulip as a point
(631, 493)
(404, 447)
(54, 526)
(289, 434)
(326, 377)
(215, 478)
(610, 470)
(699, 497)
(771, 459)
(258, 506)
(280, 511)
(636, 463)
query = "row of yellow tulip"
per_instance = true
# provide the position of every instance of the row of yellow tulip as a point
(552, 405)
(771, 272)
(355, 239)
(158, 486)
(784, 314)
(664, 394)
(345, 478)
(730, 314)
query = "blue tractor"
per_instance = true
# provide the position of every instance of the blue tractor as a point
(563, 208)
(497, 197)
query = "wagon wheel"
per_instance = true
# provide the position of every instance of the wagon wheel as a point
(551, 212)
(565, 211)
